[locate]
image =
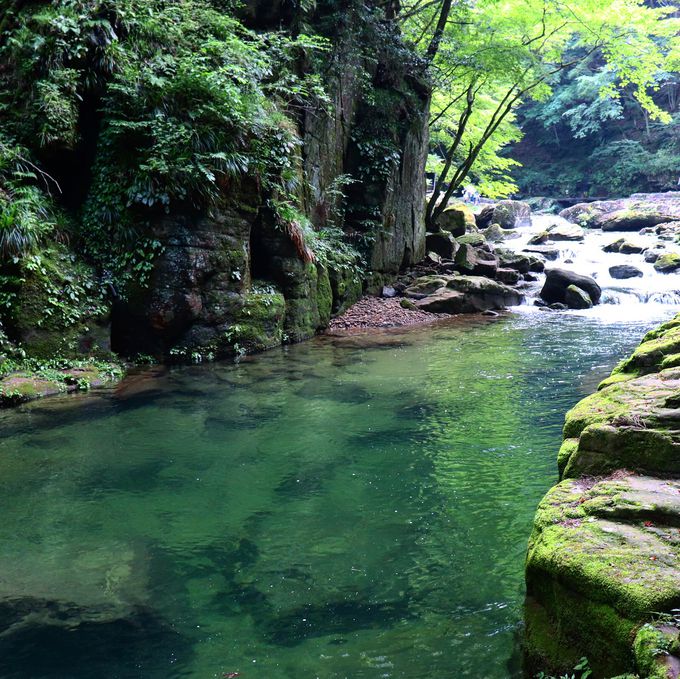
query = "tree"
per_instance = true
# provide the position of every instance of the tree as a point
(488, 56)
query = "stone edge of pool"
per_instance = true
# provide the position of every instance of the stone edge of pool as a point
(602, 568)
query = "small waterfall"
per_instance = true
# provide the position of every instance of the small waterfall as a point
(641, 295)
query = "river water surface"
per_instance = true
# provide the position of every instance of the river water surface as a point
(345, 508)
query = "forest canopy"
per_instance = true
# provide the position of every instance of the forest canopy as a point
(488, 58)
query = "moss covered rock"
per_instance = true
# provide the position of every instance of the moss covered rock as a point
(604, 556)
(667, 263)
(457, 219)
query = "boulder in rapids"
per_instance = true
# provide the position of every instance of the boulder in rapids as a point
(668, 263)
(540, 238)
(634, 218)
(576, 298)
(544, 250)
(558, 280)
(508, 214)
(508, 276)
(565, 231)
(623, 271)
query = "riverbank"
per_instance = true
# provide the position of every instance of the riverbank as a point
(30, 379)
(603, 565)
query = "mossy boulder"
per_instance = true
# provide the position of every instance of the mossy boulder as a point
(634, 218)
(604, 557)
(667, 263)
(576, 298)
(557, 281)
(457, 219)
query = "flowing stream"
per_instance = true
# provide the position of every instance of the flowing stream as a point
(347, 508)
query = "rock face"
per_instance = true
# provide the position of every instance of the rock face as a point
(604, 556)
(237, 280)
(508, 214)
(641, 210)
(558, 280)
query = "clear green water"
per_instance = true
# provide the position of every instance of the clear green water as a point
(351, 508)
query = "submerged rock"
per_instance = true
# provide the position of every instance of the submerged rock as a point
(558, 280)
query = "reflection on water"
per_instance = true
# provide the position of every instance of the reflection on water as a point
(348, 508)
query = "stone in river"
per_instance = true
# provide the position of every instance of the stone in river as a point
(558, 280)
(576, 298)
(623, 271)
(668, 263)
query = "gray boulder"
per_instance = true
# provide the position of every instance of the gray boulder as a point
(558, 280)
(623, 271)
(470, 294)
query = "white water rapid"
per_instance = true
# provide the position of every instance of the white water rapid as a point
(649, 296)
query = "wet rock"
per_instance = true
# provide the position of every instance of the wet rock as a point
(557, 306)
(507, 259)
(576, 298)
(539, 238)
(667, 263)
(568, 232)
(457, 219)
(623, 271)
(530, 278)
(604, 558)
(475, 261)
(652, 255)
(495, 233)
(634, 218)
(441, 243)
(558, 280)
(470, 294)
(508, 214)
(546, 251)
(624, 247)
(508, 276)
(492, 314)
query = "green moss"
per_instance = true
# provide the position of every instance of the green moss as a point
(602, 406)
(566, 450)
(603, 449)
(652, 646)
(258, 324)
(616, 378)
(667, 263)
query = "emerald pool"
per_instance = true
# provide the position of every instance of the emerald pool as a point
(345, 508)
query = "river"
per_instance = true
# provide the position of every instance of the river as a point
(345, 508)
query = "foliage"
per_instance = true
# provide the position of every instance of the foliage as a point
(611, 145)
(488, 57)
(582, 669)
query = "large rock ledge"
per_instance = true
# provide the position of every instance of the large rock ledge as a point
(603, 565)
